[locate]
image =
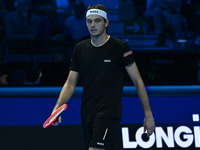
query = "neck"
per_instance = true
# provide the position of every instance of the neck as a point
(100, 40)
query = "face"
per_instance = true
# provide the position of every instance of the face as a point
(96, 25)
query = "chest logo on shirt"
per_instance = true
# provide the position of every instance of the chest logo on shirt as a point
(107, 60)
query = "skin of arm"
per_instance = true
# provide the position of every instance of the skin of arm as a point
(149, 124)
(67, 91)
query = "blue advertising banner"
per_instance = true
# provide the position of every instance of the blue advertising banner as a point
(19, 111)
(176, 116)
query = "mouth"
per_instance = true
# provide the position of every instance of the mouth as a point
(93, 30)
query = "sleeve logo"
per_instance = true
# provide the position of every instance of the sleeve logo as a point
(128, 53)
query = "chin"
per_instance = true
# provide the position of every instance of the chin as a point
(94, 34)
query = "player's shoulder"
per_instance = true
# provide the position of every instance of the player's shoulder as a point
(117, 41)
(84, 43)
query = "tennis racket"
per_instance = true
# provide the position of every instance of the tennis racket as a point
(54, 116)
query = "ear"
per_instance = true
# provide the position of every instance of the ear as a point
(106, 23)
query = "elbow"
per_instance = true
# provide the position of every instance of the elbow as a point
(70, 83)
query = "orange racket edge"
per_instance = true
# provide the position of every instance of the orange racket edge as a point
(54, 116)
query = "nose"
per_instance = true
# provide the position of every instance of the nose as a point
(93, 24)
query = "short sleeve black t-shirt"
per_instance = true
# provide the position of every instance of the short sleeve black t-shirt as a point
(102, 72)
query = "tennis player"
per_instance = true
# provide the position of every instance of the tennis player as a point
(101, 62)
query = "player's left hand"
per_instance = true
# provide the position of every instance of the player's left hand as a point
(149, 125)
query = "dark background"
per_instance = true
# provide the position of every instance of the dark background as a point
(44, 59)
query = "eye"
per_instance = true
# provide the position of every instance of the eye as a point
(98, 20)
(89, 21)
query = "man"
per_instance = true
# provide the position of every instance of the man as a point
(22, 27)
(166, 15)
(100, 62)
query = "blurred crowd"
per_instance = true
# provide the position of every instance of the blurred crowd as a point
(33, 26)
(168, 19)
(53, 27)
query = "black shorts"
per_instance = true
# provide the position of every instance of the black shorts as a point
(103, 133)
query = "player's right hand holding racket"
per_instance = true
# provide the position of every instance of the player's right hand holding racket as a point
(57, 121)
(55, 117)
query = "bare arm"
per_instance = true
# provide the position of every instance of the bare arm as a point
(66, 92)
(134, 74)
(68, 89)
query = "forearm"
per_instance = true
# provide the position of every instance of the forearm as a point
(143, 96)
(65, 94)
(139, 84)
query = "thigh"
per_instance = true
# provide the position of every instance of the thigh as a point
(105, 134)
